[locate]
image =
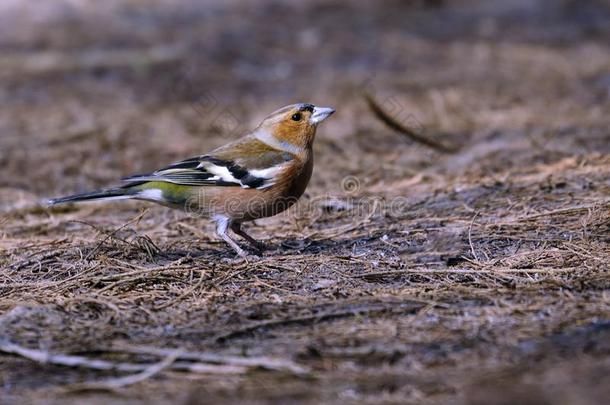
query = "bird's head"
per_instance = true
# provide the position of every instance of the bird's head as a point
(295, 124)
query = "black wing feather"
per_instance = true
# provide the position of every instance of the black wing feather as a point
(191, 172)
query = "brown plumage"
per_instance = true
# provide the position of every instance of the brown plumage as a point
(256, 176)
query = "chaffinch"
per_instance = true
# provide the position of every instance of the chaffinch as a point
(259, 175)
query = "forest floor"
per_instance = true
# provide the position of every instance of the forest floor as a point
(405, 275)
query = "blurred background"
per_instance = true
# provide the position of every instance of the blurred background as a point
(504, 240)
(91, 91)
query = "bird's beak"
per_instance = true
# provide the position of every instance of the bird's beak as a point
(320, 114)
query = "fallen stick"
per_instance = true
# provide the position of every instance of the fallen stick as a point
(67, 360)
(120, 382)
(267, 363)
(397, 126)
(191, 362)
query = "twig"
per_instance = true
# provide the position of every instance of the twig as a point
(474, 254)
(267, 363)
(115, 383)
(397, 126)
(224, 365)
(43, 357)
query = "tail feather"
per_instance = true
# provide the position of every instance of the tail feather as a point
(107, 194)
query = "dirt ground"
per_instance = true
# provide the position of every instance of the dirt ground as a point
(405, 275)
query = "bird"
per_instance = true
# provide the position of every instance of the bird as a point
(259, 175)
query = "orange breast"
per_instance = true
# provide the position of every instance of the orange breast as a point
(243, 204)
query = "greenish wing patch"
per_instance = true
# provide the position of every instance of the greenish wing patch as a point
(169, 192)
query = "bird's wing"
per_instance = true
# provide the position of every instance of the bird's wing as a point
(246, 163)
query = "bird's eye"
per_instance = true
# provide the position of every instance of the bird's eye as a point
(296, 117)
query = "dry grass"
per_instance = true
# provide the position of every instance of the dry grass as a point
(405, 275)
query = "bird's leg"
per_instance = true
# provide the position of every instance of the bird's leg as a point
(222, 225)
(236, 227)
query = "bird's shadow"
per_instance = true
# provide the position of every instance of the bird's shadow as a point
(286, 247)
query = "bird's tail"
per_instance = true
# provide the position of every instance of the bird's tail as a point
(106, 194)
